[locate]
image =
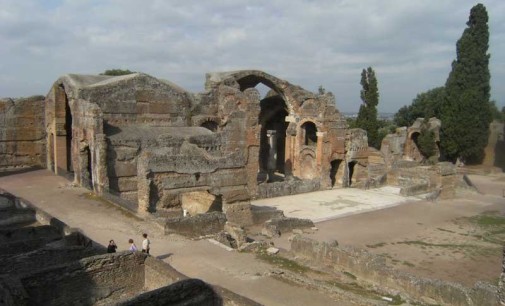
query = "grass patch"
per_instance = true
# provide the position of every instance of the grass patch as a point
(282, 262)
(377, 245)
(488, 220)
(397, 300)
(409, 264)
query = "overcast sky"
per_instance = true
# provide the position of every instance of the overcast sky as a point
(410, 44)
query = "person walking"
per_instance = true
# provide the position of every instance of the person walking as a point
(111, 248)
(133, 247)
(146, 244)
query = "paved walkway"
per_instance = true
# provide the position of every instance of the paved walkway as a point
(330, 204)
(101, 221)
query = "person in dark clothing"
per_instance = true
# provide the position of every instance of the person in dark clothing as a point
(111, 248)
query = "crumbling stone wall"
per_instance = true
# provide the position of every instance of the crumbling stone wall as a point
(402, 144)
(22, 135)
(151, 144)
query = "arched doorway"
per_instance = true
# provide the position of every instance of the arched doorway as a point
(309, 130)
(335, 166)
(273, 136)
(87, 170)
(63, 135)
(273, 125)
(350, 173)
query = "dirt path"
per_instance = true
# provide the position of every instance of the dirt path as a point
(457, 240)
(100, 221)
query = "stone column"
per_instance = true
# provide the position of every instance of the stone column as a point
(319, 148)
(272, 151)
(289, 150)
(99, 167)
(144, 184)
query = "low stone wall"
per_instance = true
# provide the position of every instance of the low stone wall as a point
(199, 225)
(289, 187)
(184, 292)
(21, 206)
(373, 268)
(111, 276)
(45, 257)
(159, 274)
(277, 226)
(262, 214)
(12, 211)
(415, 189)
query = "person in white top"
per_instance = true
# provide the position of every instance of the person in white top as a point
(146, 244)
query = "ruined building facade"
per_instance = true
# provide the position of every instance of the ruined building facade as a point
(149, 143)
(154, 147)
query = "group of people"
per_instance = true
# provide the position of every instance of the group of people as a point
(146, 245)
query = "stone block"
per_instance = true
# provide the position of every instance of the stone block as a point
(239, 213)
(234, 194)
(200, 202)
(196, 226)
(275, 227)
(120, 169)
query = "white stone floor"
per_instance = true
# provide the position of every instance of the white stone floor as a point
(330, 204)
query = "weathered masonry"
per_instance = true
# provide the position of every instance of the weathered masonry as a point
(152, 146)
(148, 142)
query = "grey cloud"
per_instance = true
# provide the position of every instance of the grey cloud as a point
(410, 44)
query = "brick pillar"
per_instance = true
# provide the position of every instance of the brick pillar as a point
(144, 184)
(100, 174)
(289, 152)
(319, 148)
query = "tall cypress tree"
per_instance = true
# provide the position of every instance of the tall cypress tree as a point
(367, 115)
(465, 112)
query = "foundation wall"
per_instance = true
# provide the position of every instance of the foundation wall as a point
(373, 268)
(87, 281)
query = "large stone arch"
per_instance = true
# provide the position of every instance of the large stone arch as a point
(74, 129)
(293, 95)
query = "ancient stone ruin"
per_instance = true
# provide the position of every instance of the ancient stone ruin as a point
(45, 262)
(154, 147)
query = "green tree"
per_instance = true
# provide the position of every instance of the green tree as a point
(386, 127)
(426, 143)
(367, 115)
(321, 90)
(425, 105)
(116, 72)
(465, 112)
